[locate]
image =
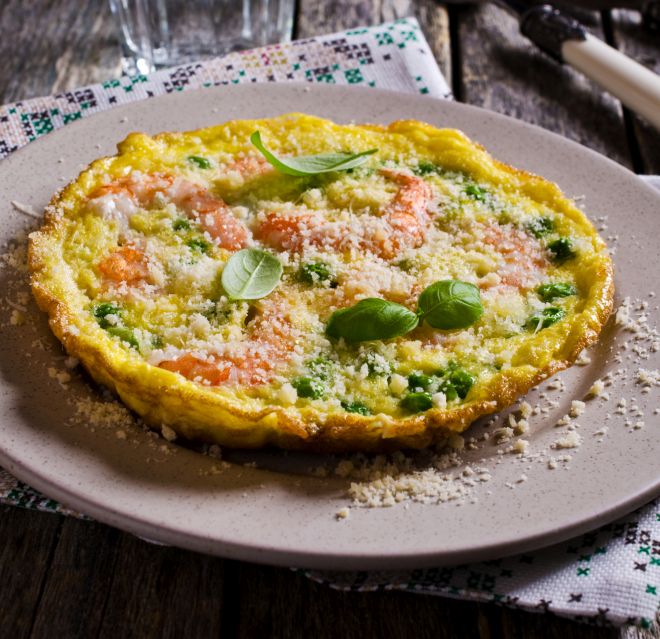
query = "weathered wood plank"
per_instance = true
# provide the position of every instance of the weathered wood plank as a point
(549, 627)
(641, 45)
(315, 18)
(279, 603)
(55, 45)
(78, 581)
(162, 592)
(27, 539)
(502, 71)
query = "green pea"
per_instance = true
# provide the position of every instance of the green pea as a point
(308, 387)
(355, 407)
(425, 168)
(419, 380)
(201, 162)
(548, 292)
(217, 314)
(417, 402)
(321, 367)
(198, 244)
(181, 224)
(547, 317)
(462, 381)
(378, 366)
(124, 334)
(315, 273)
(540, 226)
(448, 389)
(476, 192)
(103, 309)
(561, 249)
(451, 366)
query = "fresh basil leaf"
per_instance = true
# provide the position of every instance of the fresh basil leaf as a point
(311, 164)
(371, 319)
(251, 274)
(449, 304)
(201, 162)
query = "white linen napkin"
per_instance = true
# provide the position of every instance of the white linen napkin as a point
(609, 576)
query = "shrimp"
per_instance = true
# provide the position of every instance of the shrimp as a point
(269, 342)
(402, 224)
(292, 232)
(523, 259)
(194, 368)
(250, 166)
(212, 213)
(406, 213)
(127, 264)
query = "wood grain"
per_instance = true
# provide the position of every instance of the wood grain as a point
(55, 45)
(78, 581)
(75, 578)
(277, 603)
(27, 539)
(634, 40)
(162, 592)
(502, 71)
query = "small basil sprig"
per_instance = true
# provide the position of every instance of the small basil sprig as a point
(251, 274)
(312, 164)
(371, 319)
(447, 304)
(450, 304)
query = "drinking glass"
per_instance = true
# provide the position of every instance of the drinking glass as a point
(160, 33)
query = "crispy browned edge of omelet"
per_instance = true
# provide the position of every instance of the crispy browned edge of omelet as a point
(200, 413)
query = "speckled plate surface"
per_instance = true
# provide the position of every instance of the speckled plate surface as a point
(278, 512)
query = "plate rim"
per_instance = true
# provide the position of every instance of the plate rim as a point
(279, 556)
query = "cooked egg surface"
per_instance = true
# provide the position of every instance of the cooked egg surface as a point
(130, 259)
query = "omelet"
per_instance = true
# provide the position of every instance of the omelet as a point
(297, 283)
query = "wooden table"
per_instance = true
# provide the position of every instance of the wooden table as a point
(62, 577)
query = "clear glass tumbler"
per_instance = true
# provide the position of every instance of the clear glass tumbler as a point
(160, 33)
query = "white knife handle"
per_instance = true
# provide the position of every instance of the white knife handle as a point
(635, 85)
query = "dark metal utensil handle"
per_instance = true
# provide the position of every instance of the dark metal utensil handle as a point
(566, 40)
(548, 28)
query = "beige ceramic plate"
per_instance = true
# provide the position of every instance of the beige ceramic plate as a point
(277, 513)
